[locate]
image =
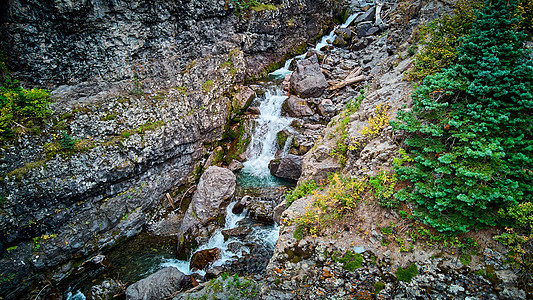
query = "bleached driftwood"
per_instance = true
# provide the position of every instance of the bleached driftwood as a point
(170, 200)
(379, 5)
(354, 77)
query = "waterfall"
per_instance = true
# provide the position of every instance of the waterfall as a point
(261, 151)
(324, 41)
(262, 148)
(215, 241)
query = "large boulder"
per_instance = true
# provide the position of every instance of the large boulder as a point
(307, 80)
(367, 16)
(296, 107)
(289, 167)
(201, 259)
(243, 98)
(162, 284)
(215, 187)
(240, 231)
(261, 211)
(363, 28)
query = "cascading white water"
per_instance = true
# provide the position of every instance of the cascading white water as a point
(215, 241)
(263, 144)
(324, 41)
(261, 151)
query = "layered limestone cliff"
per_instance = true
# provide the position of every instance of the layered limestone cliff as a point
(145, 87)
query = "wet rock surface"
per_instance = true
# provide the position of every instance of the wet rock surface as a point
(236, 232)
(288, 167)
(201, 259)
(216, 186)
(296, 107)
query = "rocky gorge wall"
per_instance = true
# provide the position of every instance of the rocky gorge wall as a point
(370, 251)
(146, 88)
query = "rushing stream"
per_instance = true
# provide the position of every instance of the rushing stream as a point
(146, 254)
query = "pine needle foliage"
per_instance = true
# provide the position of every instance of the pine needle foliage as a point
(471, 128)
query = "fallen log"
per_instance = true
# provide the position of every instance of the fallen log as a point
(354, 77)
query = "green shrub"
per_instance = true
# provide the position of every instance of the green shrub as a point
(302, 190)
(350, 261)
(20, 108)
(383, 185)
(67, 142)
(440, 40)
(471, 129)
(407, 274)
(207, 86)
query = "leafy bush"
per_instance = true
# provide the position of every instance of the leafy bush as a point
(19, 108)
(440, 39)
(471, 128)
(339, 198)
(305, 188)
(408, 273)
(383, 185)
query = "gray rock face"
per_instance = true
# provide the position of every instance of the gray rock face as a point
(235, 165)
(367, 16)
(326, 107)
(216, 185)
(296, 107)
(278, 211)
(103, 290)
(289, 167)
(261, 211)
(236, 232)
(363, 28)
(93, 40)
(243, 98)
(128, 77)
(160, 285)
(307, 80)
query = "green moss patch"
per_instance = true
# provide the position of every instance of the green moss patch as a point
(407, 274)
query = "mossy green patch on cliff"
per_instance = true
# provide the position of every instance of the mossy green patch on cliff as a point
(236, 140)
(282, 139)
(378, 287)
(108, 117)
(350, 261)
(20, 172)
(148, 126)
(262, 7)
(407, 274)
(207, 86)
